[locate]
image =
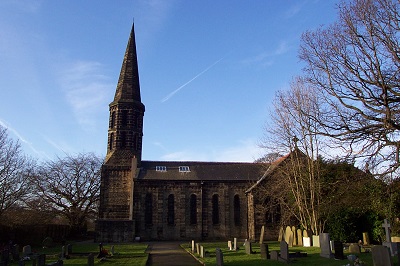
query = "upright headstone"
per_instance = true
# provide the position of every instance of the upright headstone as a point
(381, 256)
(365, 238)
(388, 243)
(62, 256)
(235, 247)
(262, 234)
(219, 256)
(41, 260)
(294, 231)
(284, 252)
(264, 251)
(306, 241)
(281, 235)
(193, 246)
(325, 244)
(315, 241)
(202, 252)
(15, 252)
(354, 248)
(299, 237)
(247, 247)
(230, 245)
(112, 250)
(26, 250)
(274, 254)
(90, 260)
(198, 248)
(338, 247)
(289, 236)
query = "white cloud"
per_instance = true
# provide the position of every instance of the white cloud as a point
(266, 58)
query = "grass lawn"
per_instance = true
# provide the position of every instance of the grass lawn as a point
(240, 258)
(125, 254)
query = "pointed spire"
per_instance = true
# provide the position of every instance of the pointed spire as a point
(128, 88)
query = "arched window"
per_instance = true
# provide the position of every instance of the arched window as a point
(171, 210)
(124, 118)
(123, 139)
(148, 209)
(193, 209)
(112, 122)
(111, 141)
(215, 209)
(236, 209)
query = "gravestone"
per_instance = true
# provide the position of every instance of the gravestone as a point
(315, 241)
(193, 246)
(381, 256)
(15, 252)
(41, 260)
(62, 255)
(264, 251)
(354, 248)
(47, 242)
(26, 250)
(386, 226)
(202, 252)
(90, 259)
(262, 234)
(325, 244)
(235, 247)
(299, 237)
(338, 247)
(388, 243)
(294, 236)
(281, 234)
(306, 241)
(198, 248)
(284, 252)
(247, 247)
(219, 256)
(366, 238)
(274, 254)
(289, 236)
(230, 245)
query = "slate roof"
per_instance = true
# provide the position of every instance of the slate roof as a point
(208, 171)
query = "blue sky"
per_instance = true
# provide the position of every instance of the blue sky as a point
(208, 71)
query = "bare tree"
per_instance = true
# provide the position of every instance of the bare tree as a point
(70, 188)
(296, 186)
(15, 170)
(356, 64)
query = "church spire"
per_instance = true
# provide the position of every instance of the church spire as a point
(128, 88)
(125, 130)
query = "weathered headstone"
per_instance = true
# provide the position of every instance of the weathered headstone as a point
(354, 248)
(274, 254)
(230, 245)
(366, 238)
(386, 226)
(193, 246)
(112, 250)
(381, 256)
(338, 247)
(294, 231)
(219, 256)
(247, 247)
(306, 241)
(284, 252)
(281, 234)
(90, 260)
(264, 251)
(26, 250)
(235, 247)
(299, 237)
(325, 244)
(315, 241)
(202, 252)
(198, 248)
(15, 252)
(262, 234)
(289, 236)
(41, 260)
(62, 255)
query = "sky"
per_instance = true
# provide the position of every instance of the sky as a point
(209, 71)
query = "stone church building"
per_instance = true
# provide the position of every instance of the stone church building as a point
(167, 200)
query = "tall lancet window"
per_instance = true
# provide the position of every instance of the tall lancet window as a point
(193, 209)
(171, 210)
(110, 145)
(236, 210)
(148, 209)
(112, 122)
(215, 209)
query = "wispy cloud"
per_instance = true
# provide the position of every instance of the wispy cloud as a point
(187, 83)
(85, 87)
(294, 9)
(267, 58)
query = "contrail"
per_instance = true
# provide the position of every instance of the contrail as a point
(195, 77)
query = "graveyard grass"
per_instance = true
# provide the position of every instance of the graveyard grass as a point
(125, 254)
(240, 258)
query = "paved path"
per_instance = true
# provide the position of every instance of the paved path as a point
(169, 254)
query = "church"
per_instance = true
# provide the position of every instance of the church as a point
(168, 200)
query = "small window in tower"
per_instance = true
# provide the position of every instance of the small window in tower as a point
(124, 118)
(112, 124)
(161, 168)
(184, 169)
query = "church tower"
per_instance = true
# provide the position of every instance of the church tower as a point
(116, 221)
